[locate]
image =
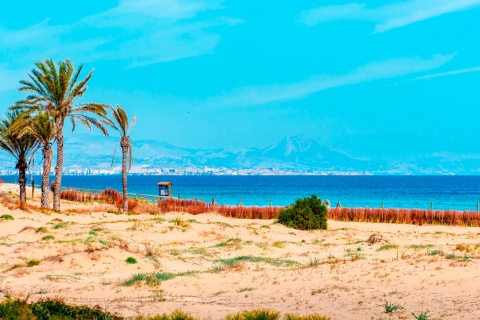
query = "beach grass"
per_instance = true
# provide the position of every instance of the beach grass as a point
(54, 309)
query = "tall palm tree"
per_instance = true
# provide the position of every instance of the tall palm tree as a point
(55, 87)
(42, 128)
(120, 123)
(22, 148)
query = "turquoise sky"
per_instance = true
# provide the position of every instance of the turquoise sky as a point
(376, 79)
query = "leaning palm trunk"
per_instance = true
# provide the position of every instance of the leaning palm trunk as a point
(125, 145)
(58, 169)
(47, 164)
(22, 180)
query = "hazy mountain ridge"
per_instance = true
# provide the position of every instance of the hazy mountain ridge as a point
(297, 153)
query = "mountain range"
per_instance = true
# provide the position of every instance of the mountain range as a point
(297, 153)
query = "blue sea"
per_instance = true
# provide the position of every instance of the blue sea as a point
(444, 192)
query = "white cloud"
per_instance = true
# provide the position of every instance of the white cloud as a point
(390, 16)
(137, 32)
(448, 73)
(258, 95)
(137, 13)
(176, 9)
(165, 43)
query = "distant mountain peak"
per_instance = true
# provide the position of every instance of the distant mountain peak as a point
(296, 144)
(298, 153)
(293, 146)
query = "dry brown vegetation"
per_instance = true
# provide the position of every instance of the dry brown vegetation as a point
(109, 196)
(197, 207)
(377, 215)
(406, 216)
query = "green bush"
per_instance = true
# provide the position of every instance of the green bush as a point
(57, 310)
(260, 314)
(50, 309)
(32, 263)
(305, 214)
(15, 310)
(131, 260)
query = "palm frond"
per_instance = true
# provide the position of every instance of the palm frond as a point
(130, 162)
(113, 156)
(134, 119)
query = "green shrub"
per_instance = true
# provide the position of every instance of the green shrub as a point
(151, 279)
(391, 307)
(15, 310)
(422, 315)
(50, 309)
(131, 260)
(57, 310)
(6, 217)
(175, 315)
(41, 229)
(60, 225)
(305, 214)
(260, 314)
(32, 263)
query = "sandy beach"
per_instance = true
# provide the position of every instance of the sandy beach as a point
(211, 266)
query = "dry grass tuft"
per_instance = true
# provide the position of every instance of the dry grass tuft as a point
(27, 228)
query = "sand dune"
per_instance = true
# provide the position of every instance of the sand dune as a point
(211, 266)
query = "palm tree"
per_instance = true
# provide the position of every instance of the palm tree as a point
(42, 128)
(23, 148)
(120, 124)
(55, 88)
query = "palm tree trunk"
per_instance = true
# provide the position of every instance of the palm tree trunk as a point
(58, 168)
(47, 164)
(22, 180)
(124, 174)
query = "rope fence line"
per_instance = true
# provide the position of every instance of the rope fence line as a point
(142, 196)
(136, 196)
(155, 198)
(151, 198)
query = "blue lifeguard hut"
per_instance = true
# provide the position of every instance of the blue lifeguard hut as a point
(164, 190)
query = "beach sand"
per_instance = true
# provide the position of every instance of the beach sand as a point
(337, 272)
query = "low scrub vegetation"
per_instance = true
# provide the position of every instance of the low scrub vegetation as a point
(131, 260)
(6, 217)
(50, 309)
(150, 279)
(57, 309)
(275, 262)
(305, 214)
